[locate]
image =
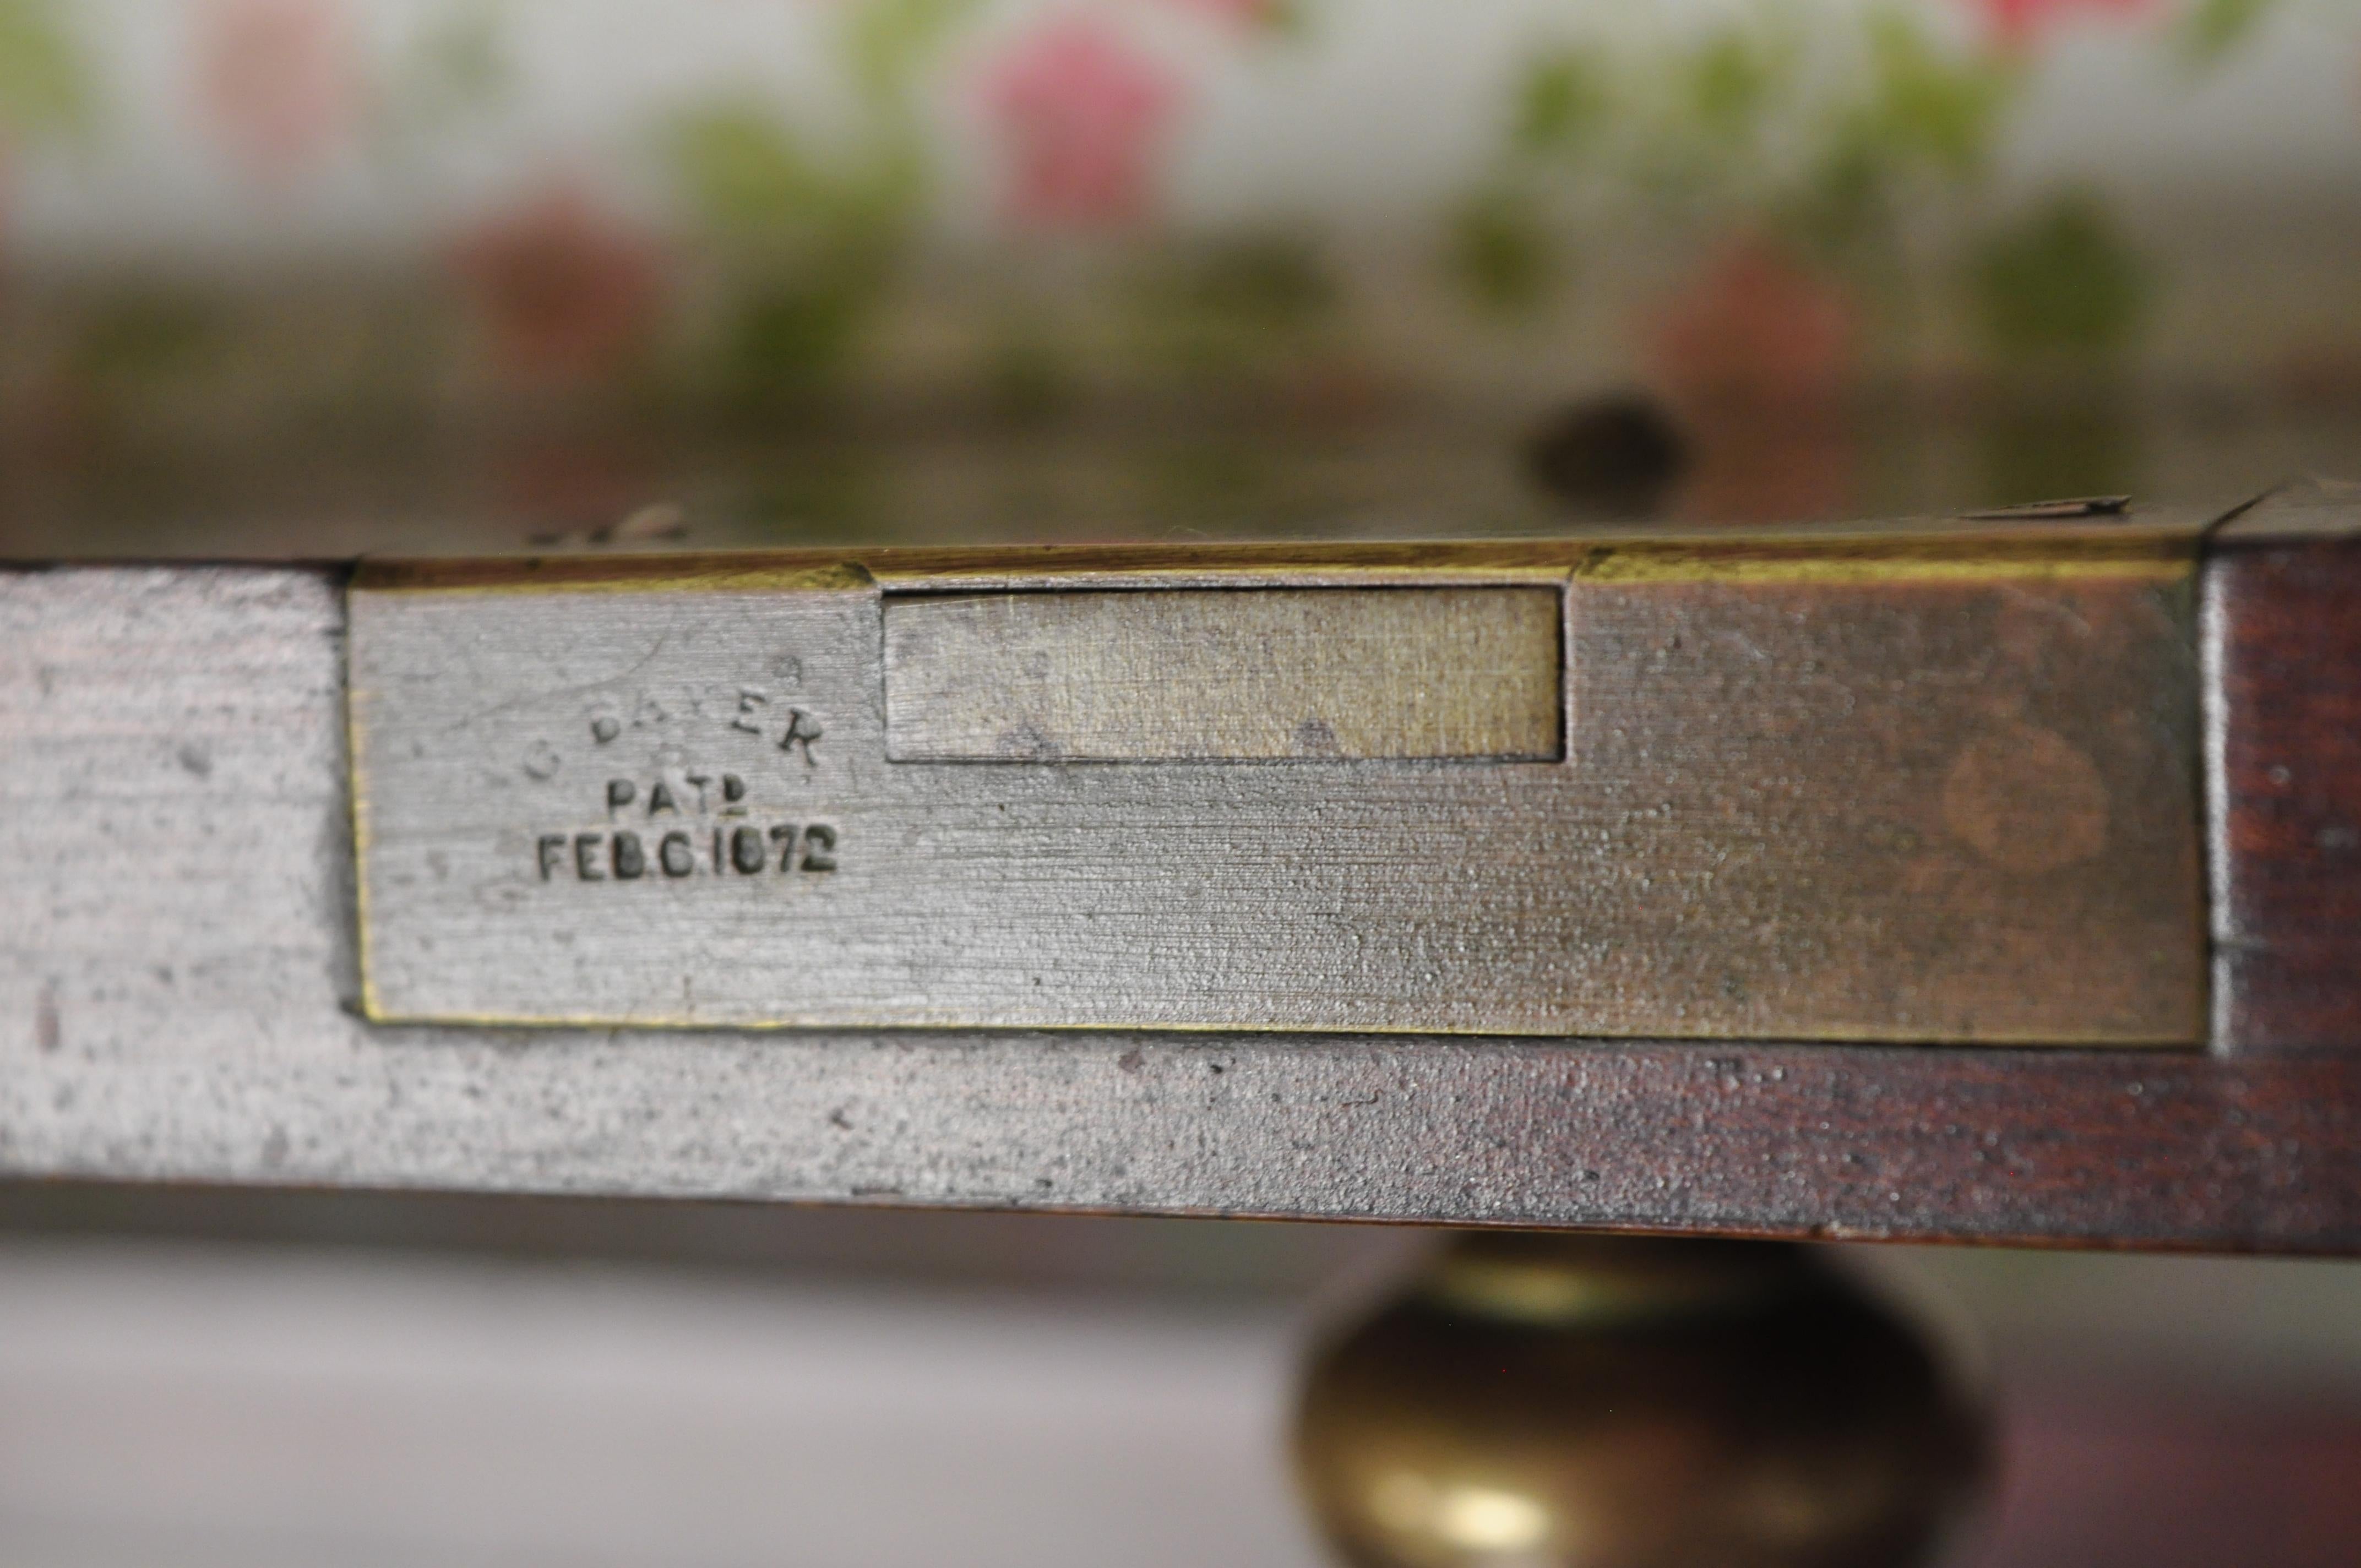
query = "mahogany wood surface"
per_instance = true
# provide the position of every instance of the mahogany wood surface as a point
(2283, 614)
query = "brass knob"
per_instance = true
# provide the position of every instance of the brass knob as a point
(1620, 1402)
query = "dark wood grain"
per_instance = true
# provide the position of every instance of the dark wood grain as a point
(2283, 623)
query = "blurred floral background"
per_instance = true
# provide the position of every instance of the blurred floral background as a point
(327, 274)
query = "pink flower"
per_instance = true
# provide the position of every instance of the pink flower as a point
(2016, 23)
(564, 292)
(1755, 329)
(279, 81)
(1086, 116)
(1757, 354)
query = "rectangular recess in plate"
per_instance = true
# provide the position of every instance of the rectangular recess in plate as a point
(1220, 675)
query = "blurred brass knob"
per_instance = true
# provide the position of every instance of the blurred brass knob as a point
(1617, 1402)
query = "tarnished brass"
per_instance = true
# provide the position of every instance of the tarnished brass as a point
(1618, 1403)
(1914, 787)
(1197, 675)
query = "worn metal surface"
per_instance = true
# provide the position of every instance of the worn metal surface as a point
(1197, 675)
(1871, 791)
(2282, 620)
(178, 1003)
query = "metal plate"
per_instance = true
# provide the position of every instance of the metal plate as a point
(1907, 792)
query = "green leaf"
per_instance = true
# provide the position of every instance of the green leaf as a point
(1731, 81)
(1923, 117)
(2215, 27)
(1237, 305)
(886, 42)
(2064, 280)
(1271, 283)
(1927, 109)
(1846, 198)
(743, 172)
(789, 339)
(1562, 103)
(1500, 252)
(45, 85)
